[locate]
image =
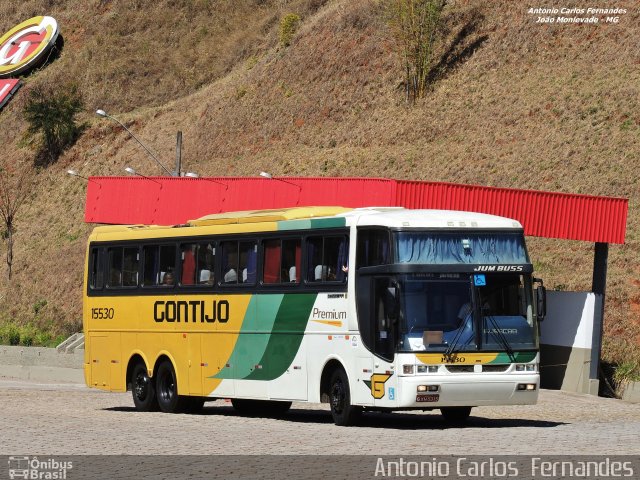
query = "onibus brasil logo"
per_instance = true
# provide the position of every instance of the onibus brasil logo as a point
(34, 468)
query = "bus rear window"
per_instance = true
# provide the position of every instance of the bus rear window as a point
(96, 274)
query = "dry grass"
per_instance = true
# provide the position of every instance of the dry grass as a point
(515, 104)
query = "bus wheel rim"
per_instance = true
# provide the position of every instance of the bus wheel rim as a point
(337, 397)
(142, 386)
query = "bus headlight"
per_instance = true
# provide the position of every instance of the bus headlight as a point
(427, 368)
(407, 369)
(525, 367)
(526, 386)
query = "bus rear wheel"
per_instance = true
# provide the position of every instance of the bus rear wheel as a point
(169, 400)
(344, 414)
(456, 415)
(143, 389)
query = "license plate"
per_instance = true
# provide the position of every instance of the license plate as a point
(434, 397)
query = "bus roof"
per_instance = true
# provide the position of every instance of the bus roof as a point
(311, 217)
(441, 219)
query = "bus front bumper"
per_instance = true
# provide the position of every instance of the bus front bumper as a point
(435, 391)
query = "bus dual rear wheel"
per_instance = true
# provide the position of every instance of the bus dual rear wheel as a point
(143, 389)
(167, 390)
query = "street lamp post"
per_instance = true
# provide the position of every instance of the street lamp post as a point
(271, 177)
(102, 113)
(131, 171)
(74, 173)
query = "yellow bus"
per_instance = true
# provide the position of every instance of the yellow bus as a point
(366, 309)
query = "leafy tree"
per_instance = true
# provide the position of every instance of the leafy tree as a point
(415, 24)
(51, 114)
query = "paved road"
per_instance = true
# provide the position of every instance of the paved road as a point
(64, 419)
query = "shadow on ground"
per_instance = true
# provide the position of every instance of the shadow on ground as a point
(397, 420)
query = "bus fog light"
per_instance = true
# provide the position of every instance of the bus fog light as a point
(428, 388)
(526, 386)
(407, 369)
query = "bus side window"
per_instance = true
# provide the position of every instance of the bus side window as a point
(229, 262)
(271, 264)
(130, 267)
(373, 247)
(158, 260)
(327, 259)
(150, 265)
(281, 262)
(188, 259)
(96, 275)
(291, 260)
(115, 267)
(205, 264)
(167, 265)
(248, 262)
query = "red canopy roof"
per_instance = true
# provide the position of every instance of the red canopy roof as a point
(172, 200)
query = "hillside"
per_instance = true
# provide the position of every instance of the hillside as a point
(515, 104)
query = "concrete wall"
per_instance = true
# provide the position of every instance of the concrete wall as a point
(41, 364)
(566, 339)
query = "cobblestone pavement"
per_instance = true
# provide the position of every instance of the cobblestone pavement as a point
(64, 419)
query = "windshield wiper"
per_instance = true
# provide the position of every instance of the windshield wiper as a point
(501, 338)
(454, 343)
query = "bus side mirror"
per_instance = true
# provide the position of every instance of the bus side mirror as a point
(541, 301)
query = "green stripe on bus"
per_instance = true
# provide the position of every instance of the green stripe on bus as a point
(294, 225)
(286, 336)
(520, 357)
(254, 336)
(313, 223)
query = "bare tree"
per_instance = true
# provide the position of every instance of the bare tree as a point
(415, 24)
(15, 187)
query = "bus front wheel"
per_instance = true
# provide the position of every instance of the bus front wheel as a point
(143, 389)
(167, 390)
(344, 414)
(455, 414)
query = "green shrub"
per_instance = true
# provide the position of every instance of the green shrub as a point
(43, 339)
(27, 335)
(627, 372)
(11, 334)
(288, 26)
(51, 115)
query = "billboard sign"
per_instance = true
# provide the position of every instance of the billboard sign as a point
(26, 45)
(7, 89)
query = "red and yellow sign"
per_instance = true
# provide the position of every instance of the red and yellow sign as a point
(25, 45)
(7, 89)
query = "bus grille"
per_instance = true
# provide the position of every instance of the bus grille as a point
(470, 368)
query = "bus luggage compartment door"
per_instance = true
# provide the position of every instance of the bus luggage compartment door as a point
(100, 364)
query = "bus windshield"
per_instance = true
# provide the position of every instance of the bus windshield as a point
(459, 312)
(432, 248)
